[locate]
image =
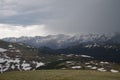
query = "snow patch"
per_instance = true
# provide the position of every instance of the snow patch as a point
(39, 64)
(13, 67)
(26, 66)
(86, 56)
(76, 67)
(102, 70)
(3, 50)
(89, 66)
(69, 62)
(114, 71)
(10, 46)
(94, 68)
(104, 62)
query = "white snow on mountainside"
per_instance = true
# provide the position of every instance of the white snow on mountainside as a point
(11, 58)
(62, 41)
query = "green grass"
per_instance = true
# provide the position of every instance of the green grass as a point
(60, 75)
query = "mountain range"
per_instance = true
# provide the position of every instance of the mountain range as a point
(63, 41)
(100, 46)
(90, 51)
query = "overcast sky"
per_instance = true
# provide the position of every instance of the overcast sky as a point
(45, 17)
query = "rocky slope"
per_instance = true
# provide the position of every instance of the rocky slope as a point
(18, 57)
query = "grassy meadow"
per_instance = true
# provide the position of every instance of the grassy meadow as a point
(60, 75)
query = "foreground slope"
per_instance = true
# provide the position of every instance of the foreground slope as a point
(60, 75)
(15, 56)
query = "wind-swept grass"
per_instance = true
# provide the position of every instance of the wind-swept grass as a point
(60, 75)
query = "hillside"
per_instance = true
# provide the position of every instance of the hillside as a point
(21, 57)
(105, 52)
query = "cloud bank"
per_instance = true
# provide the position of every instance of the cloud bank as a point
(17, 31)
(61, 16)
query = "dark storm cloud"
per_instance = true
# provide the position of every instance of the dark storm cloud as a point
(63, 16)
(24, 12)
(74, 16)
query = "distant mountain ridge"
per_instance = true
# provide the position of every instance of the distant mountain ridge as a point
(63, 41)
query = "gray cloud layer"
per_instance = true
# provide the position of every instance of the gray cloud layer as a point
(63, 16)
